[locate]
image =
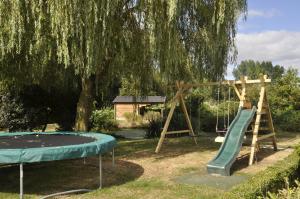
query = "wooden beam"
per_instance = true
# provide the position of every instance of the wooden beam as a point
(243, 93)
(257, 120)
(176, 132)
(237, 92)
(270, 123)
(263, 137)
(167, 123)
(187, 118)
(264, 128)
(227, 82)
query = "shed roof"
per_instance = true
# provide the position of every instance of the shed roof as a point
(140, 99)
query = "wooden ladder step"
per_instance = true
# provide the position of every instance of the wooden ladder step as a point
(264, 120)
(176, 132)
(262, 112)
(265, 136)
(264, 128)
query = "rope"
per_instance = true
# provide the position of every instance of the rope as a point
(224, 111)
(228, 107)
(226, 124)
(218, 98)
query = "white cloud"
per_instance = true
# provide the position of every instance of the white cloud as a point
(264, 13)
(280, 47)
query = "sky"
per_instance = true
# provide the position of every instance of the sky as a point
(271, 32)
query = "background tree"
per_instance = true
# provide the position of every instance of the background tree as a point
(284, 97)
(252, 69)
(95, 41)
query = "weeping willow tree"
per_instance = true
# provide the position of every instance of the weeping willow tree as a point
(97, 40)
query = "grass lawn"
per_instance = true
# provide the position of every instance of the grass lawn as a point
(139, 172)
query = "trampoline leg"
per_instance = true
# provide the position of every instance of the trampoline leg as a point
(113, 157)
(100, 171)
(21, 181)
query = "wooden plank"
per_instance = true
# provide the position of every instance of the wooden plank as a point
(270, 123)
(167, 123)
(227, 82)
(243, 94)
(265, 136)
(177, 132)
(264, 128)
(257, 121)
(237, 92)
(187, 118)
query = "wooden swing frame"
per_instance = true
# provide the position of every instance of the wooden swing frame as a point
(240, 90)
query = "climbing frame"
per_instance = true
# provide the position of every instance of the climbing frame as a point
(240, 86)
(262, 109)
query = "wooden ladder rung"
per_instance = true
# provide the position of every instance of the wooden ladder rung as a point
(265, 136)
(264, 128)
(176, 132)
(264, 120)
(262, 112)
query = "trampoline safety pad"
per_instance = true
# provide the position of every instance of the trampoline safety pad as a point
(28, 147)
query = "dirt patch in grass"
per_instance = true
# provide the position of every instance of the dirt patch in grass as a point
(139, 171)
(177, 157)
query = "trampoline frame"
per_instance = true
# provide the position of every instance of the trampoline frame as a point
(83, 155)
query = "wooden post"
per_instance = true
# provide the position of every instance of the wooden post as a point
(270, 124)
(167, 123)
(187, 118)
(237, 91)
(243, 94)
(257, 120)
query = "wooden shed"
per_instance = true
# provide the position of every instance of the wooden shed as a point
(135, 104)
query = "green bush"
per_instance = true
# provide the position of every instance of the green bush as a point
(103, 120)
(154, 125)
(133, 118)
(269, 180)
(288, 192)
(288, 120)
(13, 115)
(178, 121)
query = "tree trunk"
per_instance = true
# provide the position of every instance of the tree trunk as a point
(84, 105)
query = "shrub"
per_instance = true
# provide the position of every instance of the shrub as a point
(288, 120)
(269, 180)
(133, 118)
(12, 113)
(154, 125)
(103, 120)
(288, 192)
(178, 120)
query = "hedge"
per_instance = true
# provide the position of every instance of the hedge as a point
(272, 179)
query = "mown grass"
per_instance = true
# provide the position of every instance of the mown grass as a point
(155, 188)
(124, 181)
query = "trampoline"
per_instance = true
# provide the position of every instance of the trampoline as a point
(29, 147)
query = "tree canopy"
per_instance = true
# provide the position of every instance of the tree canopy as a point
(97, 40)
(252, 69)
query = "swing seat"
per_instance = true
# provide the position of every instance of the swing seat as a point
(219, 139)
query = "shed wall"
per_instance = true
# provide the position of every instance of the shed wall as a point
(123, 108)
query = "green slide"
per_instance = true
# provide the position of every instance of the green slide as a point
(232, 144)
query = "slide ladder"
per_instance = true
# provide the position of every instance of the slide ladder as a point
(232, 144)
